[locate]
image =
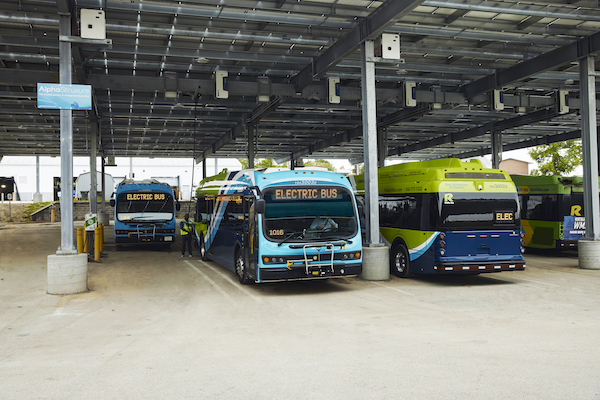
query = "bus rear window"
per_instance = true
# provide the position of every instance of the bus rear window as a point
(482, 210)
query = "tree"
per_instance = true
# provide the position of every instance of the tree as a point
(557, 158)
(264, 163)
(321, 163)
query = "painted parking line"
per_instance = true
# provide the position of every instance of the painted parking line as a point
(391, 288)
(233, 283)
(534, 281)
(213, 283)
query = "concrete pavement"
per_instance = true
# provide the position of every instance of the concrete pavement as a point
(157, 326)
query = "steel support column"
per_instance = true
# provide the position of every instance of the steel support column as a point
(375, 265)
(382, 144)
(66, 145)
(93, 193)
(252, 128)
(369, 114)
(589, 144)
(103, 185)
(496, 148)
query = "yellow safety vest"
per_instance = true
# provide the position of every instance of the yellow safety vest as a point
(186, 228)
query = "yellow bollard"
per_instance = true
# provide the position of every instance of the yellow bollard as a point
(53, 215)
(86, 244)
(80, 240)
(101, 243)
(97, 243)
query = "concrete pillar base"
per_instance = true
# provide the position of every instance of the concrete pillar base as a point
(589, 254)
(67, 273)
(376, 263)
(37, 198)
(103, 219)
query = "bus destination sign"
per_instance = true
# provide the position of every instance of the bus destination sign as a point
(146, 196)
(307, 194)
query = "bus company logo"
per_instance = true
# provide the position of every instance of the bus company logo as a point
(455, 185)
(579, 224)
(448, 198)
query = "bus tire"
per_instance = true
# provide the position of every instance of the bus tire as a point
(400, 261)
(202, 249)
(240, 267)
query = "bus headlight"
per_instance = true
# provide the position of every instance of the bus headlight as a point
(442, 252)
(274, 260)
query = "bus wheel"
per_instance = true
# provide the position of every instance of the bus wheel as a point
(240, 267)
(399, 261)
(202, 249)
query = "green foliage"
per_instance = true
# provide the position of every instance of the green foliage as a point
(33, 207)
(270, 163)
(258, 164)
(321, 163)
(557, 158)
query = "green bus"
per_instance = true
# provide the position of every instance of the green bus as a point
(448, 217)
(551, 210)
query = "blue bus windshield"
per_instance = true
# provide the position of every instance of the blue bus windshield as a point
(144, 207)
(299, 213)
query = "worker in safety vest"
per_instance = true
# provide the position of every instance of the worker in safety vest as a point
(186, 229)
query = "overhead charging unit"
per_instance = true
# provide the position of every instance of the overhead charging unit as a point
(410, 94)
(388, 46)
(563, 101)
(92, 24)
(333, 90)
(222, 85)
(498, 100)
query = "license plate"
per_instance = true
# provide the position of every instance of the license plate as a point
(168, 238)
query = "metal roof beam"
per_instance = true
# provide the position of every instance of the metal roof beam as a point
(541, 140)
(536, 116)
(552, 59)
(372, 26)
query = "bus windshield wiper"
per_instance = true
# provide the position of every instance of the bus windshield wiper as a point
(290, 235)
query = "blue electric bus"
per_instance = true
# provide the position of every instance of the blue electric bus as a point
(144, 213)
(280, 226)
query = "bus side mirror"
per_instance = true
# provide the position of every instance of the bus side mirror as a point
(178, 206)
(112, 202)
(260, 206)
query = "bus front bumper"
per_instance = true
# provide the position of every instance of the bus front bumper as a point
(134, 238)
(314, 272)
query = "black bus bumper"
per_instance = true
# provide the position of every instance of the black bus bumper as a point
(314, 272)
(133, 238)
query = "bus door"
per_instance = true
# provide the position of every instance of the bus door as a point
(250, 236)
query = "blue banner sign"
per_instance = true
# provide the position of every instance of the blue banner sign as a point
(65, 97)
(574, 228)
